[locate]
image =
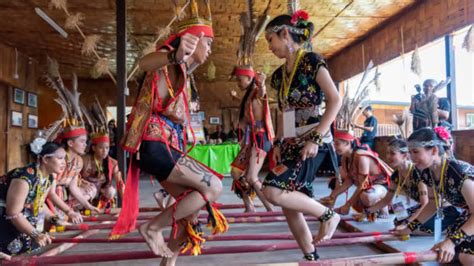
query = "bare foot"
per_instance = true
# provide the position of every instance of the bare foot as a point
(327, 229)
(160, 199)
(155, 241)
(249, 207)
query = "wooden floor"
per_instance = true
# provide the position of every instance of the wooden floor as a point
(146, 199)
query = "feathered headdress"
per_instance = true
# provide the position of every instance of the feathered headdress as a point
(350, 109)
(250, 29)
(97, 121)
(195, 19)
(72, 122)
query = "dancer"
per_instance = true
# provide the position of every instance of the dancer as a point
(254, 117)
(451, 180)
(362, 168)
(100, 169)
(300, 84)
(157, 129)
(74, 139)
(22, 200)
(406, 179)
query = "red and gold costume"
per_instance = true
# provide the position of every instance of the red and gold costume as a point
(158, 130)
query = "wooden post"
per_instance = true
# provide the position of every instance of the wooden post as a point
(451, 72)
(121, 14)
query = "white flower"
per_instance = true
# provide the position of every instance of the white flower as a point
(37, 145)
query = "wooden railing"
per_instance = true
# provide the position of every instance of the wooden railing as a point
(382, 130)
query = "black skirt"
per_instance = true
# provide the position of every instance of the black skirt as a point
(293, 174)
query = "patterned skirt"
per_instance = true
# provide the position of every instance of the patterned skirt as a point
(12, 241)
(467, 246)
(292, 173)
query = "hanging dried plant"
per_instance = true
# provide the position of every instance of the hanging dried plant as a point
(74, 21)
(164, 32)
(100, 68)
(468, 43)
(211, 71)
(377, 80)
(90, 44)
(58, 4)
(150, 48)
(416, 62)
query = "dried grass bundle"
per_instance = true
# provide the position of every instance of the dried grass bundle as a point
(468, 43)
(100, 68)
(58, 4)
(416, 62)
(163, 32)
(74, 21)
(90, 44)
(377, 83)
(150, 48)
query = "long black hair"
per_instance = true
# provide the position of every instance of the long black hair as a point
(286, 20)
(244, 100)
(427, 134)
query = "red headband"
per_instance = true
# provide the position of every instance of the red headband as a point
(244, 72)
(344, 135)
(99, 139)
(194, 30)
(74, 133)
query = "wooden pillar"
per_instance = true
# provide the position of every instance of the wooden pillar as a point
(121, 14)
(450, 72)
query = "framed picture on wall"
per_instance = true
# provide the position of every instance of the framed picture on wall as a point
(215, 120)
(17, 119)
(18, 96)
(32, 121)
(32, 100)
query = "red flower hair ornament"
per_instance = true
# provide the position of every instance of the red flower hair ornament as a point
(442, 133)
(298, 16)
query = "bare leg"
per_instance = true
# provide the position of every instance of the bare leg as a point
(175, 244)
(248, 203)
(249, 207)
(190, 174)
(255, 165)
(300, 202)
(300, 230)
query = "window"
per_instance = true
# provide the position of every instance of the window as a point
(464, 63)
(470, 120)
(396, 79)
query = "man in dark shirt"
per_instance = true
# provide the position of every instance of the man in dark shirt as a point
(219, 136)
(443, 113)
(370, 128)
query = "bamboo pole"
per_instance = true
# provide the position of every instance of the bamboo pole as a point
(135, 255)
(242, 237)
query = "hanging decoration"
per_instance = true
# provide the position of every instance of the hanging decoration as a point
(89, 46)
(416, 62)
(468, 43)
(211, 71)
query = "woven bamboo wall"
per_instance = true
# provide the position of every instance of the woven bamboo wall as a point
(422, 24)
